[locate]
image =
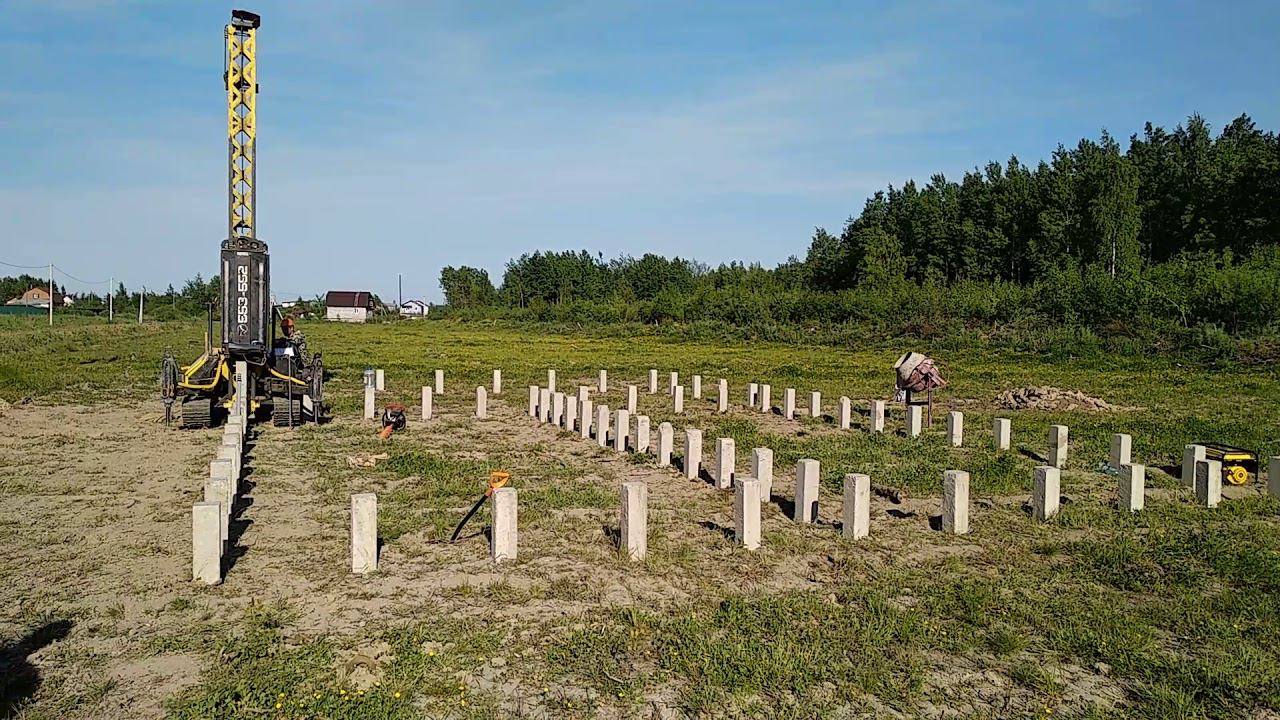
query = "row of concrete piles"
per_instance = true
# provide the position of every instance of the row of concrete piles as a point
(429, 393)
(504, 543)
(615, 429)
(211, 518)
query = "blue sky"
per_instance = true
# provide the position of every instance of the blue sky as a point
(398, 137)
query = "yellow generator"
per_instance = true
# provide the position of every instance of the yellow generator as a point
(1237, 463)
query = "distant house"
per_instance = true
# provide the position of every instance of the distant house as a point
(414, 308)
(348, 305)
(38, 297)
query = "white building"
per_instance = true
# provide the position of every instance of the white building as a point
(348, 305)
(414, 308)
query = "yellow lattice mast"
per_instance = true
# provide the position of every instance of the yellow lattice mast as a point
(241, 75)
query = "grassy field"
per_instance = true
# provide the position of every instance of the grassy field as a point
(1170, 613)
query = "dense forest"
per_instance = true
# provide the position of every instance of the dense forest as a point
(1172, 242)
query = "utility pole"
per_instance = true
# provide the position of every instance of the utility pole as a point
(399, 291)
(111, 297)
(141, 296)
(50, 294)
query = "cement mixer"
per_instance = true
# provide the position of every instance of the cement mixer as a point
(916, 373)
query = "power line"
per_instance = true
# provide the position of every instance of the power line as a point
(24, 267)
(86, 282)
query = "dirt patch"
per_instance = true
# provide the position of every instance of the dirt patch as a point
(1052, 398)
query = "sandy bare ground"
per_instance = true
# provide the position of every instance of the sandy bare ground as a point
(95, 531)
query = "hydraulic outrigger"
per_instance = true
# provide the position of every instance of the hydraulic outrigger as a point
(277, 371)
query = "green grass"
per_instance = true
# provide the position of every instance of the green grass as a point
(1176, 610)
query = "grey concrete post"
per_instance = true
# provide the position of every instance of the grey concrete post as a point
(807, 474)
(666, 441)
(379, 380)
(544, 405)
(641, 443)
(602, 384)
(753, 394)
(632, 398)
(762, 470)
(1133, 481)
(1058, 445)
(533, 400)
(497, 382)
(621, 430)
(557, 408)
(482, 403)
(602, 425)
(505, 544)
(570, 414)
(1191, 454)
(856, 513)
(1209, 482)
(370, 403)
(1001, 427)
(364, 533)
(674, 382)
(877, 416)
(242, 388)
(746, 513)
(697, 387)
(584, 419)
(1273, 476)
(955, 428)
(846, 412)
(955, 502)
(224, 469)
(653, 381)
(815, 404)
(233, 456)
(766, 402)
(218, 490)
(726, 459)
(789, 403)
(1121, 450)
(428, 402)
(439, 382)
(634, 522)
(722, 402)
(677, 399)
(1048, 491)
(915, 420)
(551, 380)
(692, 453)
(206, 543)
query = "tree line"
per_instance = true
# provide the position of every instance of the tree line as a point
(192, 300)
(1176, 236)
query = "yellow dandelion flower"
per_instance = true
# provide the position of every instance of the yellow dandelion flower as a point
(396, 694)
(462, 702)
(279, 705)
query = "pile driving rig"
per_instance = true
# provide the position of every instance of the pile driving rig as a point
(279, 374)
